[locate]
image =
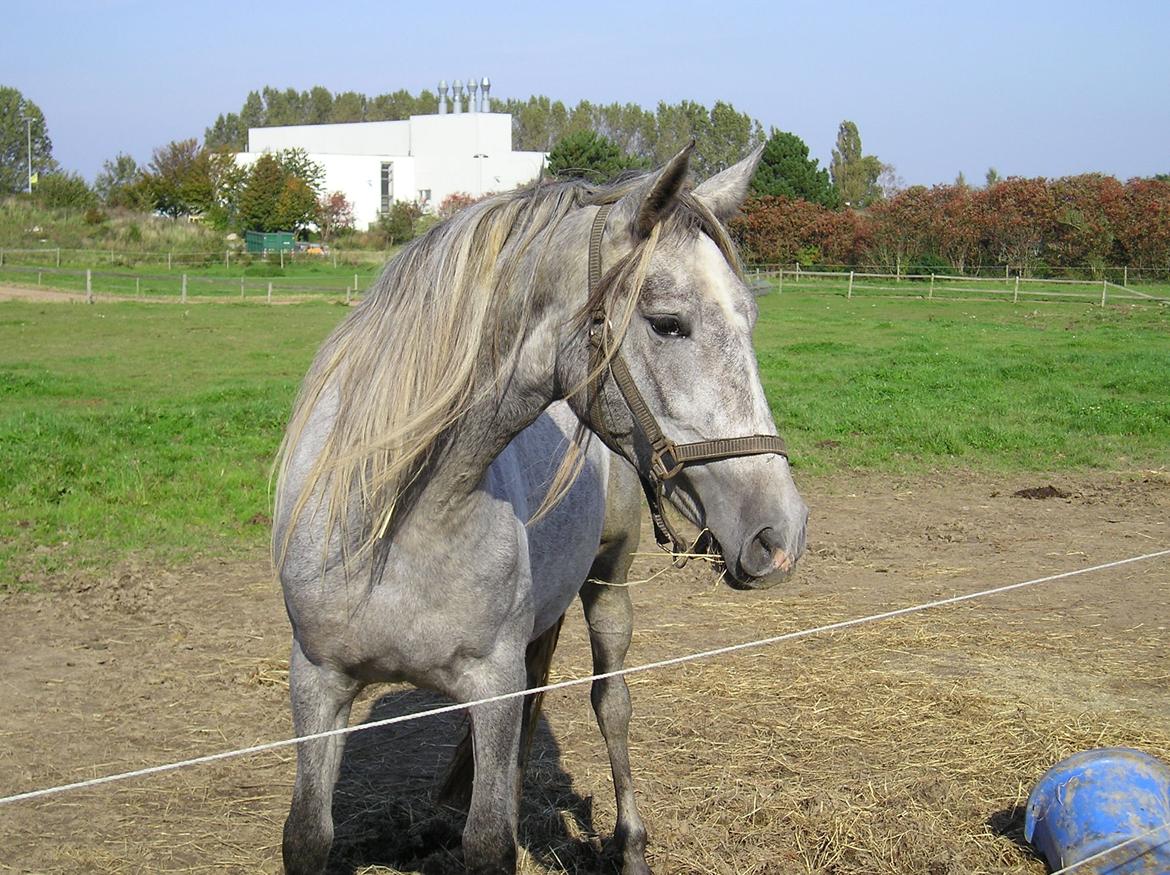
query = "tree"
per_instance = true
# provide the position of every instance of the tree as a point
(992, 177)
(787, 171)
(180, 179)
(280, 193)
(586, 155)
(335, 215)
(63, 189)
(398, 224)
(261, 195)
(14, 134)
(855, 174)
(117, 185)
(455, 202)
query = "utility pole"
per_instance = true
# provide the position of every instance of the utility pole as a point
(28, 128)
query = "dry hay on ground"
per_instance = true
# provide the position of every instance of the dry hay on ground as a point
(906, 746)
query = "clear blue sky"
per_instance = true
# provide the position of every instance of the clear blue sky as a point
(1031, 88)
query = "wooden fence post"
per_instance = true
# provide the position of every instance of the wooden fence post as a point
(347, 294)
(930, 295)
(168, 261)
(335, 259)
(241, 288)
(270, 292)
(1016, 296)
(183, 296)
(38, 277)
(1104, 291)
(797, 272)
(58, 256)
(1125, 277)
(227, 259)
(850, 295)
(1, 258)
(138, 287)
(780, 286)
(355, 285)
(1007, 272)
(282, 258)
(88, 286)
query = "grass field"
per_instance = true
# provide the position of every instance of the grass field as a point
(144, 430)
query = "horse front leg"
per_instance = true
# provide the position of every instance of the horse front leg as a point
(489, 837)
(610, 617)
(321, 700)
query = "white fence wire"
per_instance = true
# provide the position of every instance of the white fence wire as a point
(560, 685)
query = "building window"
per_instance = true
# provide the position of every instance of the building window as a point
(387, 186)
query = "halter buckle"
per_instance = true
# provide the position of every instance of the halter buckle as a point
(663, 461)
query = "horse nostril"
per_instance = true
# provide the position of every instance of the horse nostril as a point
(764, 554)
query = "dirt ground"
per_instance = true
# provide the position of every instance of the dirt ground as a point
(907, 746)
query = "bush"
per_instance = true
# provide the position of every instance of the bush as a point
(928, 263)
(399, 224)
(94, 216)
(66, 191)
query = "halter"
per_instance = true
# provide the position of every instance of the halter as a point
(667, 458)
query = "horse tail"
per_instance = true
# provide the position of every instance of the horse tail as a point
(456, 788)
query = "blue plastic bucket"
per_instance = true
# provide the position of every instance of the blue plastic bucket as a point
(1094, 801)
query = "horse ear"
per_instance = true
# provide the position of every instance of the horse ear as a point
(724, 192)
(648, 204)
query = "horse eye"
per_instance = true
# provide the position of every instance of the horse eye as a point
(667, 326)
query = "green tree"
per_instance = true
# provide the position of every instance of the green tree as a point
(787, 171)
(586, 155)
(399, 224)
(261, 195)
(66, 190)
(14, 133)
(855, 174)
(280, 193)
(180, 179)
(117, 183)
(992, 177)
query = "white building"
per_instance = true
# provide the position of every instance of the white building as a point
(423, 159)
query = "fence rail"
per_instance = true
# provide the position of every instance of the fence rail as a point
(173, 259)
(184, 286)
(123, 285)
(855, 283)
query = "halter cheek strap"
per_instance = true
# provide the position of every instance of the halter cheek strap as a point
(667, 458)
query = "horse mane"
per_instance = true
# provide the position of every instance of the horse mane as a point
(426, 343)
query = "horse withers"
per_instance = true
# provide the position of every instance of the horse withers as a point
(463, 459)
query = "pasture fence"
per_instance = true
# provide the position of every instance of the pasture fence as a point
(112, 285)
(1123, 275)
(855, 283)
(574, 682)
(176, 259)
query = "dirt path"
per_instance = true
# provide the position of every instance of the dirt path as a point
(23, 293)
(901, 747)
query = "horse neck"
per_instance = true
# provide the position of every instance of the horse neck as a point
(526, 383)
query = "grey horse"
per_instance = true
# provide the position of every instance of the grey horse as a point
(442, 493)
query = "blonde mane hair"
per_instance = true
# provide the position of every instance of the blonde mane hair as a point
(432, 339)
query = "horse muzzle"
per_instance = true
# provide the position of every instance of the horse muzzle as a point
(767, 558)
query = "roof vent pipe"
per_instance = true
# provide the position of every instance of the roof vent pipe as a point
(472, 99)
(442, 97)
(457, 96)
(485, 87)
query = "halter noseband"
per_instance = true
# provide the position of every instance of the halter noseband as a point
(667, 458)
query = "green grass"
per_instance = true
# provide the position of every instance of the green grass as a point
(141, 429)
(149, 430)
(914, 385)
